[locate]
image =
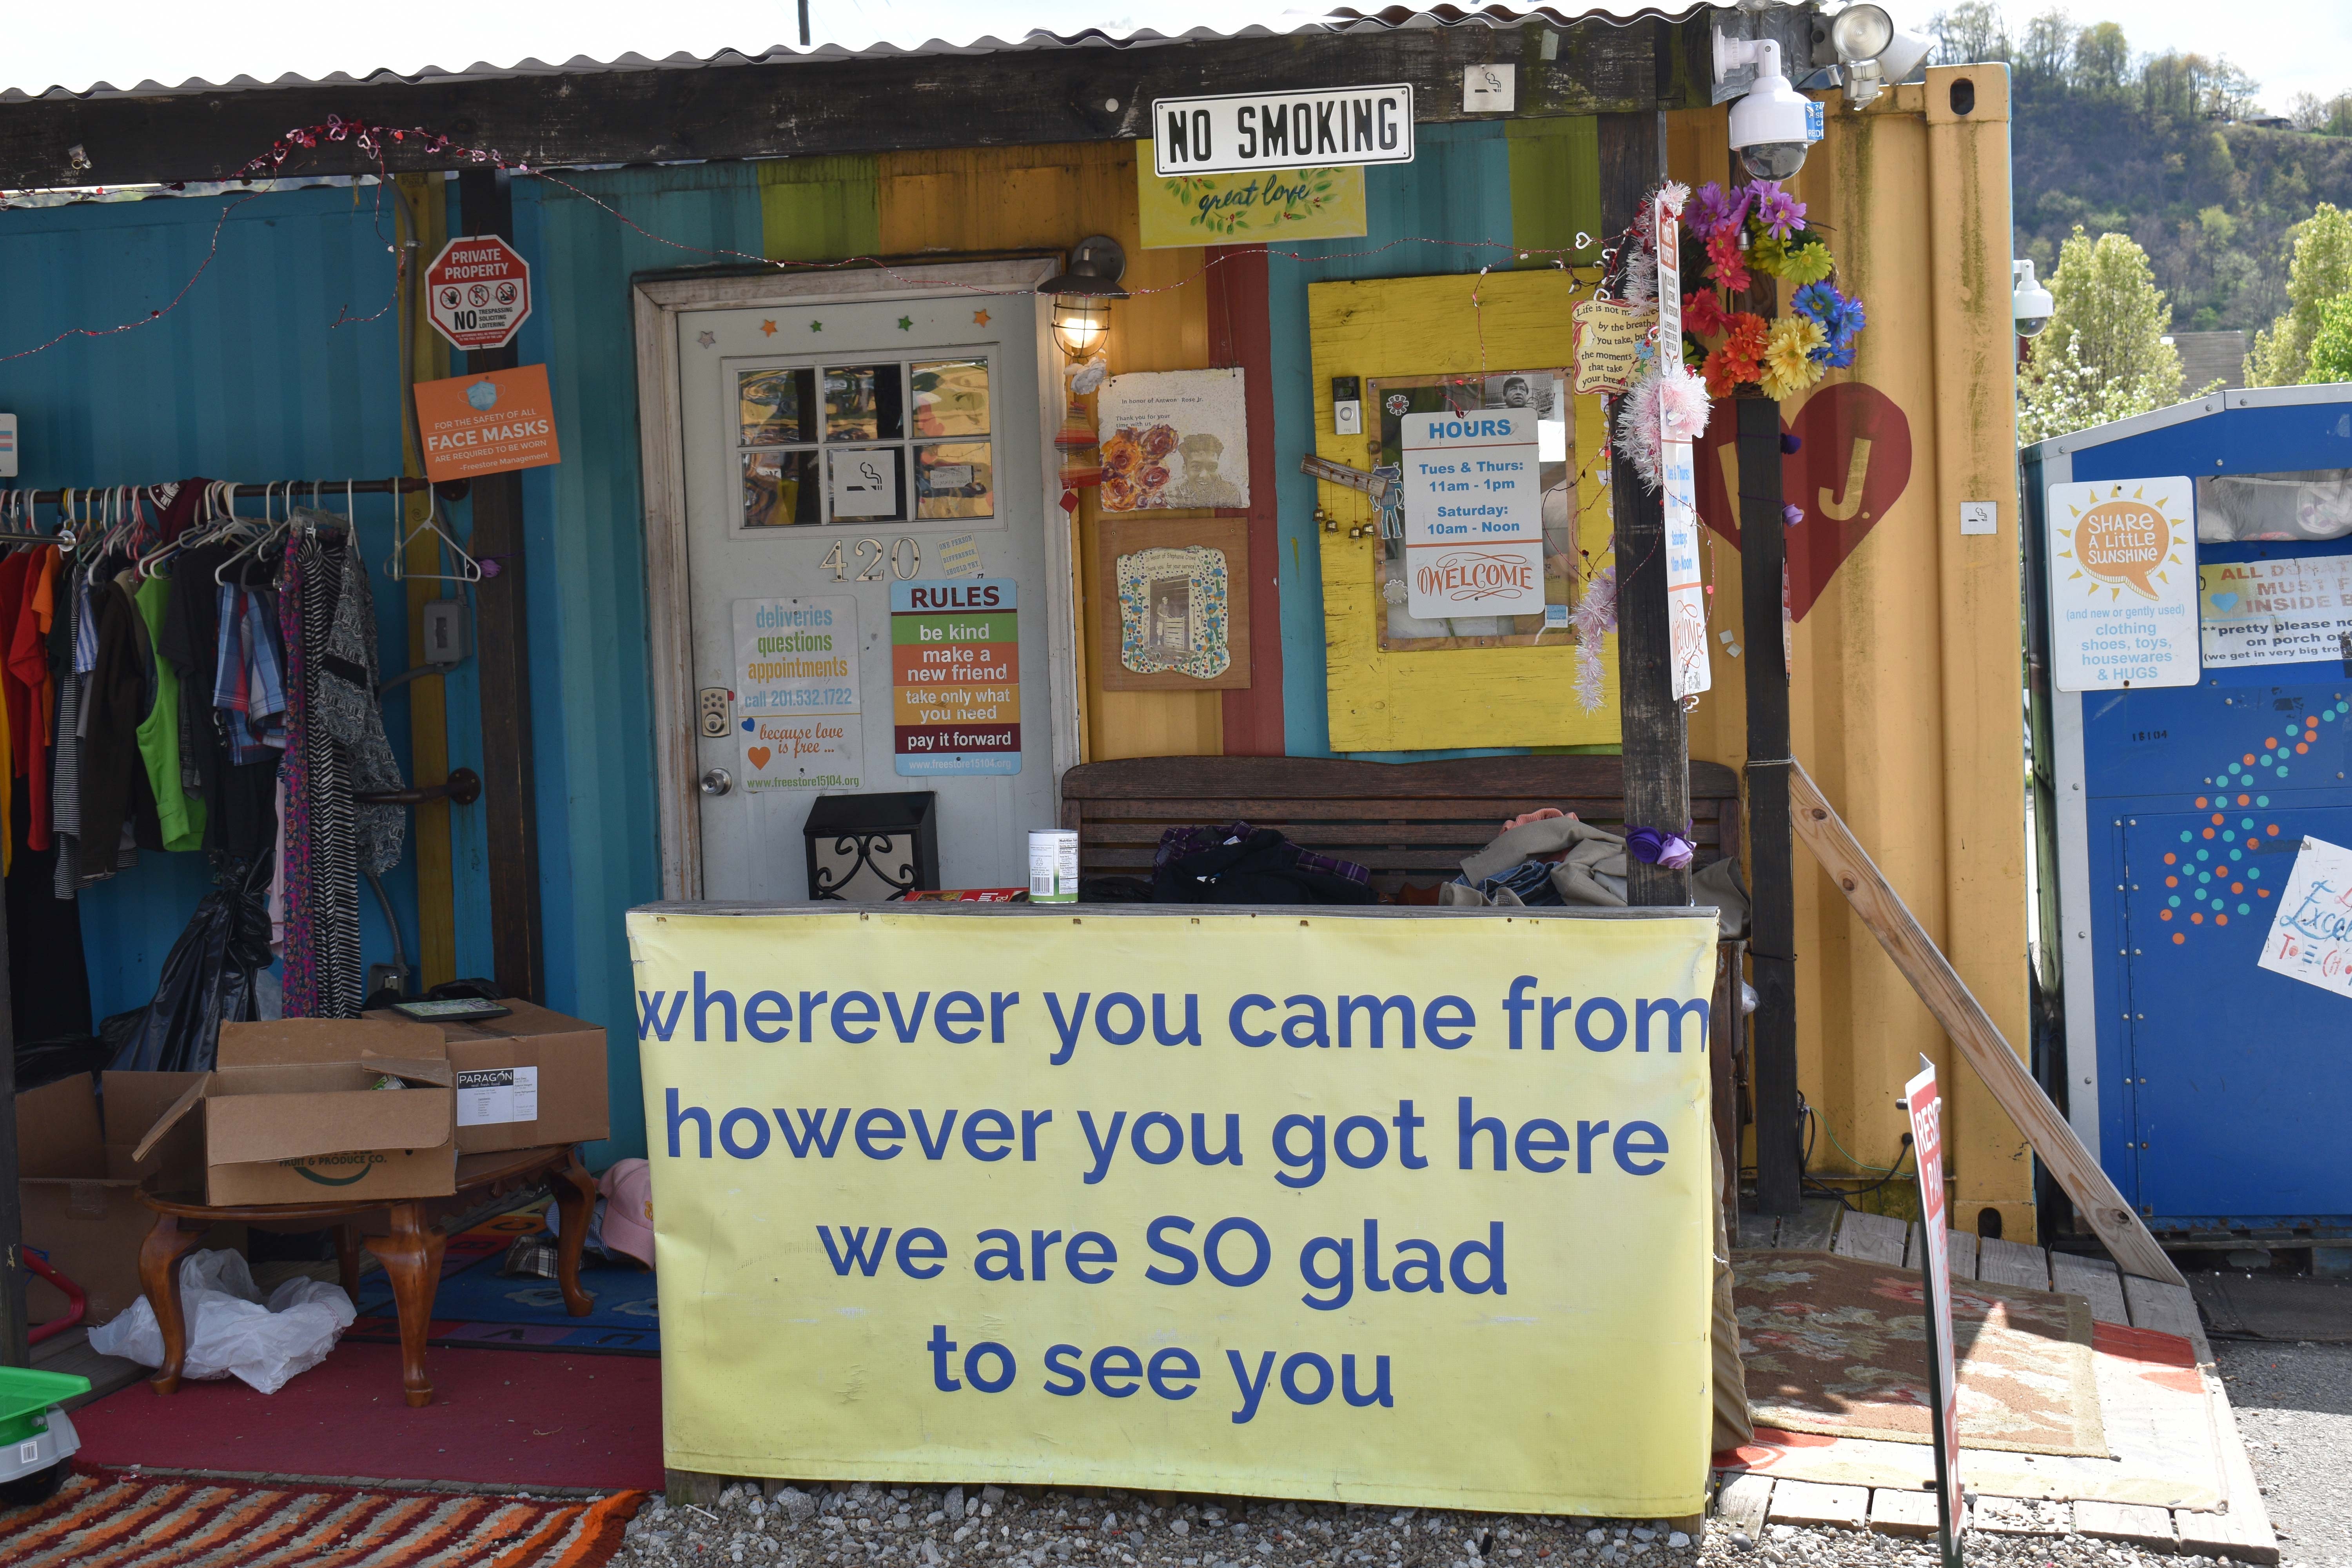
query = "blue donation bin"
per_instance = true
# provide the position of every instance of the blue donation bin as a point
(2190, 617)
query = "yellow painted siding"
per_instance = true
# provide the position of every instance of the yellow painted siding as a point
(1030, 198)
(1382, 701)
(428, 724)
(1905, 691)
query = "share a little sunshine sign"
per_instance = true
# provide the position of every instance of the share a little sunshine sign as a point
(1359, 1207)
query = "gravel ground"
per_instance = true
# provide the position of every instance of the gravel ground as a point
(2294, 1404)
(917, 1527)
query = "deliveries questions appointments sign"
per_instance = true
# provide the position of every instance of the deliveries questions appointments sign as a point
(1401, 1210)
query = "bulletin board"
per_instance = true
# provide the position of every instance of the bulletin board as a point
(1512, 690)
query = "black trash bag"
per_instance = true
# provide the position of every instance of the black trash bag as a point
(207, 982)
(1259, 868)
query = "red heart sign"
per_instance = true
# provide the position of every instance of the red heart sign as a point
(1849, 468)
(758, 755)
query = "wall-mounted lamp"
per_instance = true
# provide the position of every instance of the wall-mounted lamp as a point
(1082, 295)
(1773, 126)
(2030, 303)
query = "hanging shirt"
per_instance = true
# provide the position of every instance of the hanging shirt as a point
(248, 686)
(32, 699)
(180, 816)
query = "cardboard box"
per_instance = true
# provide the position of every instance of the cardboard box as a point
(80, 1184)
(524, 1082)
(291, 1114)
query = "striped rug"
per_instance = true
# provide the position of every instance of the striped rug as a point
(110, 1519)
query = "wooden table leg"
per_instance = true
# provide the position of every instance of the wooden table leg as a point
(158, 1276)
(575, 1200)
(412, 1259)
(347, 1258)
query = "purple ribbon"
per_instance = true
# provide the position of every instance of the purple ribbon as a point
(1668, 849)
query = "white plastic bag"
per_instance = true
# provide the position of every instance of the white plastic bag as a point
(231, 1331)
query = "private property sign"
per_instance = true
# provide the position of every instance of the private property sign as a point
(1324, 128)
(478, 291)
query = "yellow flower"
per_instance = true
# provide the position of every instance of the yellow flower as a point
(1789, 364)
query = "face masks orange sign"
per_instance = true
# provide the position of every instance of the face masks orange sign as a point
(487, 424)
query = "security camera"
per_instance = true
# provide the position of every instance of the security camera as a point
(1772, 125)
(2029, 302)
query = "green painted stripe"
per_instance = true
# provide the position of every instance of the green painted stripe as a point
(907, 627)
(819, 209)
(1555, 186)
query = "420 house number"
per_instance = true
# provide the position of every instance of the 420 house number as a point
(904, 557)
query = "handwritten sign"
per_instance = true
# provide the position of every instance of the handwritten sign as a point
(2123, 583)
(796, 693)
(2290, 609)
(2311, 935)
(1609, 338)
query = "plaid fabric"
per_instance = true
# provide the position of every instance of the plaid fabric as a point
(248, 684)
(531, 1258)
(1310, 862)
(1179, 843)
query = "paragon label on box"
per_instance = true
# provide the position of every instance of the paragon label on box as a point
(490, 1095)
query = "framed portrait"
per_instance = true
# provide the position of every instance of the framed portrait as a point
(1169, 605)
(1549, 394)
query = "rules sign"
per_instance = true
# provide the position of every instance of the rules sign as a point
(478, 291)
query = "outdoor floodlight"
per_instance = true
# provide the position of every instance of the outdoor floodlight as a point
(2029, 302)
(1772, 126)
(1873, 51)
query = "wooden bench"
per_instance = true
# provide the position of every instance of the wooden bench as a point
(1409, 823)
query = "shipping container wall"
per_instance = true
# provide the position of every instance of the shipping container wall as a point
(277, 361)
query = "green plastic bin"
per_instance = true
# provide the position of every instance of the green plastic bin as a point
(26, 1396)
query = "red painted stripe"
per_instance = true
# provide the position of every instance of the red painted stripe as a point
(1241, 332)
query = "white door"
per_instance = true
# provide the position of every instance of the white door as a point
(870, 598)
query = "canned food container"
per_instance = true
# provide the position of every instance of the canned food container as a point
(1053, 865)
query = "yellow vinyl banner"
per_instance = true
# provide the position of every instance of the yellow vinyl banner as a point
(1402, 1208)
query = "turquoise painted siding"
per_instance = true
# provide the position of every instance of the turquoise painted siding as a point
(1457, 188)
(592, 708)
(246, 377)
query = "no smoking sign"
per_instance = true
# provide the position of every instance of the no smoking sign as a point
(478, 293)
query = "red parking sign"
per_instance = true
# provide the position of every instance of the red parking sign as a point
(478, 291)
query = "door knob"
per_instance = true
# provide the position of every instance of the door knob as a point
(718, 781)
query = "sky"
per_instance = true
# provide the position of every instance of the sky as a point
(2288, 45)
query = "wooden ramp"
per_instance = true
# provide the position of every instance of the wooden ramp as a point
(2238, 1527)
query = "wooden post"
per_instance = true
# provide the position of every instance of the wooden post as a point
(1771, 898)
(1656, 738)
(502, 648)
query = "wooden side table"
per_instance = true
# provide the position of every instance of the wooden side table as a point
(409, 1246)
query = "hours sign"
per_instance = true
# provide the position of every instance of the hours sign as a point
(478, 291)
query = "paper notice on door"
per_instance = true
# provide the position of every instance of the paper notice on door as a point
(960, 556)
(2287, 609)
(2311, 935)
(491, 1095)
(796, 693)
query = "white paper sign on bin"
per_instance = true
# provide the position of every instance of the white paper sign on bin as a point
(2311, 935)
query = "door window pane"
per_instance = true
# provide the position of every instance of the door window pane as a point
(779, 489)
(776, 407)
(865, 483)
(954, 479)
(951, 397)
(863, 403)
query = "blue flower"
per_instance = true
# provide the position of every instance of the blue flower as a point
(1840, 317)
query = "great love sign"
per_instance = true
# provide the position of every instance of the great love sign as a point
(1379, 1208)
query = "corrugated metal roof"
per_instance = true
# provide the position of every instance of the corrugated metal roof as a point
(1340, 19)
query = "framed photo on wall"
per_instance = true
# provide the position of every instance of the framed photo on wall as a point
(1169, 604)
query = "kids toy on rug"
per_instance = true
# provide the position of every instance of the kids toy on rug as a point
(38, 1442)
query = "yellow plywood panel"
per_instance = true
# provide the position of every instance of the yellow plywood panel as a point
(1904, 695)
(1382, 701)
(1047, 198)
(428, 723)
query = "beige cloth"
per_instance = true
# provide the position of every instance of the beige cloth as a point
(1591, 872)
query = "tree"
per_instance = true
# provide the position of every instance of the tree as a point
(2047, 57)
(2331, 346)
(2101, 59)
(2104, 356)
(2322, 270)
(1969, 33)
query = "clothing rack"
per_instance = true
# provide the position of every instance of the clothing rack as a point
(405, 486)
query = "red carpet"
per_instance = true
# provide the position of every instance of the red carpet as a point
(512, 1417)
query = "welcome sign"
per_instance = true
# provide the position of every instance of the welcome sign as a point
(1389, 1208)
(1473, 514)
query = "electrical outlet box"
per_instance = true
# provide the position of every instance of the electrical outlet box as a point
(1346, 405)
(448, 632)
(392, 977)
